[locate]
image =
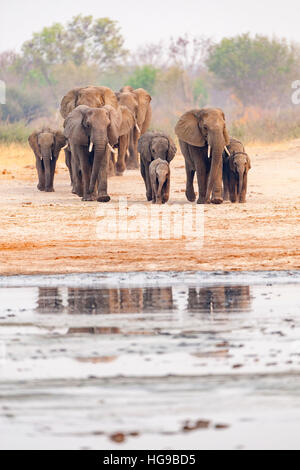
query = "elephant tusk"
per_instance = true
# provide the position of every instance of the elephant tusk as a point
(91, 147)
(139, 130)
(65, 146)
(111, 148)
(227, 151)
(127, 153)
(209, 151)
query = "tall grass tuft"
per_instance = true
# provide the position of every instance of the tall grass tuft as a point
(14, 132)
(266, 126)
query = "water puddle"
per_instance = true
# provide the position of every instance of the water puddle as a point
(150, 360)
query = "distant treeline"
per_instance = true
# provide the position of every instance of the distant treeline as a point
(250, 77)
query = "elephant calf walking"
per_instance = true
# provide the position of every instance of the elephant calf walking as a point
(153, 145)
(235, 172)
(159, 171)
(46, 145)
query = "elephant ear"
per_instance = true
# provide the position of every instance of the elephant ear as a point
(113, 130)
(172, 150)
(73, 128)
(128, 120)
(110, 97)
(60, 141)
(144, 110)
(225, 132)
(33, 142)
(188, 130)
(248, 163)
(127, 89)
(68, 103)
(226, 136)
(144, 146)
(97, 96)
(231, 163)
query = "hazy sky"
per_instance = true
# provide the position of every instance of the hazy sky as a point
(141, 24)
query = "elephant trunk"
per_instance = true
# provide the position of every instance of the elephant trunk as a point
(241, 176)
(217, 143)
(100, 143)
(47, 157)
(160, 186)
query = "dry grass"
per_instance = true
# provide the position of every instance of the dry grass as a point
(15, 155)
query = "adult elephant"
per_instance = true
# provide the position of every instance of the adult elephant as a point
(202, 137)
(92, 132)
(46, 145)
(139, 103)
(92, 96)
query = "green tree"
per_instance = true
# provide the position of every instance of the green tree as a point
(82, 40)
(200, 92)
(22, 105)
(258, 69)
(144, 77)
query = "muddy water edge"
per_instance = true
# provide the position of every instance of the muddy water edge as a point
(150, 360)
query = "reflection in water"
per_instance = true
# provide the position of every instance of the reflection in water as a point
(144, 300)
(219, 299)
(138, 300)
(49, 299)
(95, 330)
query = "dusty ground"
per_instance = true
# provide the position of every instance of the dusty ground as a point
(56, 232)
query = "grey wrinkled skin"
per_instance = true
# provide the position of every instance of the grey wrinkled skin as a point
(138, 101)
(197, 130)
(153, 145)
(159, 171)
(97, 126)
(235, 172)
(46, 145)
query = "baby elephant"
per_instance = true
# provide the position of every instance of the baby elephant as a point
(159, 171)
(46, 145)
(154, 145)
(235, 172)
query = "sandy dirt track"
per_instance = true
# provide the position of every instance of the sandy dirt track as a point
(56, 232)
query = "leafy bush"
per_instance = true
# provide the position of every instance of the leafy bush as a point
(21, 105)
(265, 126)
(14, 132)
(144, 77)
(258, 70)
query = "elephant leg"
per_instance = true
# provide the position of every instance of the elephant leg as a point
(41, 174)
(154, 187)
(76, 173)
(123, 148)
(102, 181)
(201, 179)
(48, 179)
(149, 190)
(143, 173)
(52, 173)
(133, 161)
(86, 174)
(217, 193)
(166, 191)
(190, 192)
(232, 187)
(225, 185)
(68, 157)
(189, 169)
(244, 189)
(111, 164)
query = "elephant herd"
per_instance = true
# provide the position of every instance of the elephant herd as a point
(105, 132)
